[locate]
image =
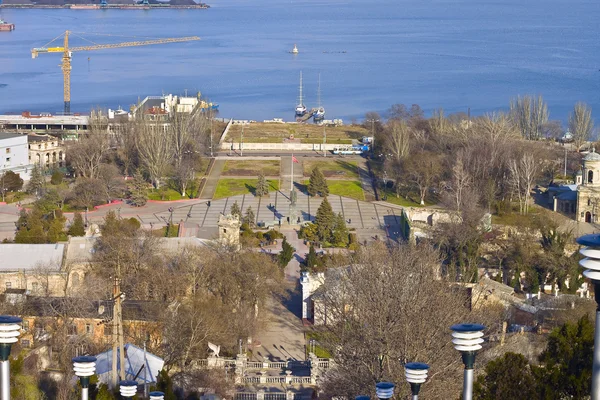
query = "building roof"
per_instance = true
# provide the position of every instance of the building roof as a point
(5, 135)
(80, 249)
(33, 137)
(15, 256)
(567, 196)
(135, 359)
(592, 156)
(44, 120)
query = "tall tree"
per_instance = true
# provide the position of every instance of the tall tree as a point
(286, 254)
(317, 185)
(374, 321)
(36, 182)
(86, 155)
(523, 173)
(325, 221)
(529, 114)
(396, 138)
(262, 187)
(138, 189)
(236, 210)
(10, 182)
(340, 236)
(581, 124)
(77, 228)
(250, 218)
(111, 181)
(311, 260)
(155, 150)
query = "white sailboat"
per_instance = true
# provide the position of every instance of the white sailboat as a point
(300, 108)
(295, 49)
(320, 113)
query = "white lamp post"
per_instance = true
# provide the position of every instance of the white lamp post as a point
(416, 374)
(128, 389)
(591, 263)
(384, 390)
(9, 333)
(467, 339)
(84, 367)
(157, 396)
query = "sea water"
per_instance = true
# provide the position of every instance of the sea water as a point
(450, 54)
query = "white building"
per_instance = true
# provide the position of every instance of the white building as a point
(14, 155)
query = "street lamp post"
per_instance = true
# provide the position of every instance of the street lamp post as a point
(384, 390)
(9, 333)
(128, 389)
(84, 367)
(591, 263)
(416, 375)
(467, 339)
(157, 396)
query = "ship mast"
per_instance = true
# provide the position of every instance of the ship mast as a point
(319, 92)
(301, 100)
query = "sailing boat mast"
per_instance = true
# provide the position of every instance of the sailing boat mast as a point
(301, 100)
(319, 92)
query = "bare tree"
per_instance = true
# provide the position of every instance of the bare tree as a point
(461, 180)
(87, 154)
(522, 178)
(375, 321)
(581, 124)
(396, 138)
(424, 170)
(438, 123)
(155, 149)
(111, 180)
(529, 114)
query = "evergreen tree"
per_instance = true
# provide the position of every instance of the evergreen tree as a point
(325, 220)
(57, 177)
(77, 228)
(506, 378)
(250, 217)
(311, 258)
(36, 182)
(55, 230)
(317, 185)
(236, 210)
(340, 232)
(36, 233)
(138, 190)
(164, 384)
(286, 254)
(262, 187)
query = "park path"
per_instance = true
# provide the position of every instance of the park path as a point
(212, 179)
(366, 181)
(283, 337)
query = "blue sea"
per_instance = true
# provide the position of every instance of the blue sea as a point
(450, 54)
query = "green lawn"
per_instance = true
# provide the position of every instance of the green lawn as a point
(251, 168)
(400, 200)
(319, 351)
(228, 187)
(351, 189)
(333, 168)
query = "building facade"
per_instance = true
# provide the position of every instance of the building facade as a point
(14, 155)
(588, 192)
(46, 151)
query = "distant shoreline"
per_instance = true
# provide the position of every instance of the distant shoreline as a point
(108, 6)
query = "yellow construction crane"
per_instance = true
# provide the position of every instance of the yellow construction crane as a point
(66, 58)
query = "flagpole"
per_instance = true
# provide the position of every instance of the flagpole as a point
(292, 180)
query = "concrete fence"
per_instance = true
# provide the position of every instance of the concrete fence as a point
(279, 146)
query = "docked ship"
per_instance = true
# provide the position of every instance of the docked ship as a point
(319, 115)
(300, 108)
(6, 27)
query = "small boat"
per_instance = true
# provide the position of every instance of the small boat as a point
(300, 108)
(6, 27)
(295, 49)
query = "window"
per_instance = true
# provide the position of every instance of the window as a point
(34, 287)
(589, 202)
(72, 329)
(107, 330)
(7, 161)
(8, 284)
(8, 150)
(25, 343)
(89, 329)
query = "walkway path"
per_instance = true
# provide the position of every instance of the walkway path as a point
(213, 178)
(366, 182)
(286, 173)
(284, 336)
